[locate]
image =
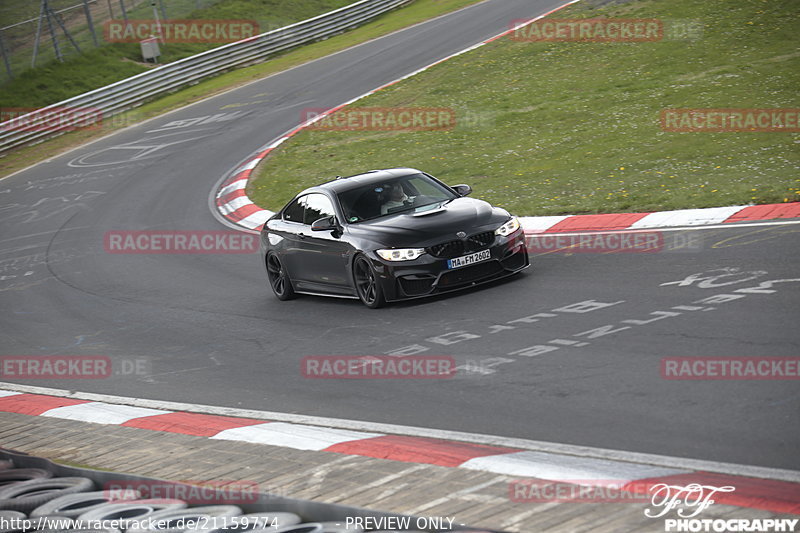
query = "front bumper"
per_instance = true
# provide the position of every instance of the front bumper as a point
(429, 275)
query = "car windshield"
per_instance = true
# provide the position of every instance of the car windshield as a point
(412, 193)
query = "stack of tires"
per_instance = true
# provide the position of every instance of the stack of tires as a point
(32, 501)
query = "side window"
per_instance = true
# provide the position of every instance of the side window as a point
(317, 206)
(294, 211)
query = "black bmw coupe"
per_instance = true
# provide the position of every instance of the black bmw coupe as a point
(388, 235)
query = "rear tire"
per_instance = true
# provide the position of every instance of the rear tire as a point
(368, 287)
(279, 278)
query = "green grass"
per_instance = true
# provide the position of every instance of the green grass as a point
(418, 11)
(55, 81)
(559, 128)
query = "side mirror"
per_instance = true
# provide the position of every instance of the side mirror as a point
(462, 190)
(325, 224)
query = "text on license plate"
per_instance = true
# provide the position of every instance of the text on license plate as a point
(465, 260)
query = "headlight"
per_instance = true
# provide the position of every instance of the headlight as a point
(508, 228)
(401, 254)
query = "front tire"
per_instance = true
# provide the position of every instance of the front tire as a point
(279, 278)
(368, 287)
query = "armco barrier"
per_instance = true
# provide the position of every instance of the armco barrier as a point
(133, 91)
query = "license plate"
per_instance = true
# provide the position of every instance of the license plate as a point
(470, 259)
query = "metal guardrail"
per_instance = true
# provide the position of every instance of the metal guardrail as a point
(123, 95)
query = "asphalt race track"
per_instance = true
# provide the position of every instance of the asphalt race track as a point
(209, 331)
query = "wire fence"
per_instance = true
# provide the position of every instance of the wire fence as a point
(88, 108)
(34, 32)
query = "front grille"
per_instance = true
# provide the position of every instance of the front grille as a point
(473, 243)
(469, 274)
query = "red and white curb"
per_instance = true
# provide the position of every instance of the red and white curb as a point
(233, 204)
(775, 495)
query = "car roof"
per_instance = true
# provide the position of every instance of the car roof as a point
(341, 184)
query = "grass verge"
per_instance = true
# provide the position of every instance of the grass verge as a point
(418, 11)
(549, 128)
(56, 81)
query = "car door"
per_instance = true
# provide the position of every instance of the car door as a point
(292, 229)
(321, 255)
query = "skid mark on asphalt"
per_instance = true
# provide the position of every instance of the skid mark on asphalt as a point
(141, 149)
(712, 279)
(47, 207)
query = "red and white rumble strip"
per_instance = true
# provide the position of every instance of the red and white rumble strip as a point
(766, 494)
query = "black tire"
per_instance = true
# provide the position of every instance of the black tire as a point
(176, 520)
(131, 510)
(339, 527)
(18, 475)
(263, 522)
(367, 285)
(11, 521)
(77, 530)
(74, 505)
(28, 495)
(51, 523)
(309, 527)
(279, 278)
(271, 520)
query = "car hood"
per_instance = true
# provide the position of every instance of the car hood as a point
(423, 228)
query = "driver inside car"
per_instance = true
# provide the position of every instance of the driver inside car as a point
(396, 198)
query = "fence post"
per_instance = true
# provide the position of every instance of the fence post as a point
(89, 20)
(53, 36)
(5, 55)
